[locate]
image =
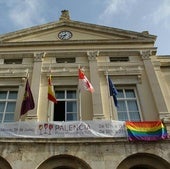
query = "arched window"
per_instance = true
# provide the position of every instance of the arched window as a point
(64, 162)
(4, 164)
(143, 161)
(142, 167)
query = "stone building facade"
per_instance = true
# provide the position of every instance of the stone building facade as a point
(58, 49)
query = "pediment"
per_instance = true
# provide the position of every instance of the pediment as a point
(80, 31)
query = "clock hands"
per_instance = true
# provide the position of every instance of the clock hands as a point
(65, 35)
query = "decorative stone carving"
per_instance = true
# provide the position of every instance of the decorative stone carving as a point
(139, 78)
(38, 57)
(92, 55)
(145, 33)
(65, 15)
(145, 54)
(165, 116)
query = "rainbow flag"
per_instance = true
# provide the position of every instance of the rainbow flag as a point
(146, 131)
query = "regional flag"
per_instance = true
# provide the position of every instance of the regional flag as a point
(51, 94)
(84, 82)
(28, 101)
(113, 91)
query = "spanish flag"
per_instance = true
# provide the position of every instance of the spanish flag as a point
(51, 94)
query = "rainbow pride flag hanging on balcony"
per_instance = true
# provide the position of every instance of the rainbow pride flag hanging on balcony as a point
(146, 131)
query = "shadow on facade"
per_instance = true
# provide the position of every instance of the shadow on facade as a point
(4, 164)
(64, 162)
(143, 161)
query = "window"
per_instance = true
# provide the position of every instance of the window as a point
(66, 107)
(7, 105)
(12, 61)
(127, 105)
(65, 60)
(119, 59)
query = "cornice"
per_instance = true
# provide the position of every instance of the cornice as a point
(85, 141)
(111, 30)
(78, 42)
(14, 70)
(17, 55)
(78, 25)
(165, 64)
(28, 31)
(80, 50)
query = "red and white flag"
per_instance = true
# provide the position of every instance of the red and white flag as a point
(84, 82)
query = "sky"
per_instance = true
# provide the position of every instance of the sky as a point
(134, 15)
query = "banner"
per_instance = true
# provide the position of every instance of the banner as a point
(72, 129)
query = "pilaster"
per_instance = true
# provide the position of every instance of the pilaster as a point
(35, 84)
(94, 76)
(164, 87)
(153, 82)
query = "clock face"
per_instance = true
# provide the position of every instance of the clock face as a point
(64, 35)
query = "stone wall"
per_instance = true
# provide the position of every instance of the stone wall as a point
(91, 153)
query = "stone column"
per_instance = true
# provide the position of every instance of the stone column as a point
(153, 81)
(94, 77)
(35, 84)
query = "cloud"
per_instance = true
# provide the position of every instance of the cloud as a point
(24, 13)
(114, 7)
(162, 14)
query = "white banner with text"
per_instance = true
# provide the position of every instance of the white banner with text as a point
(72, 129)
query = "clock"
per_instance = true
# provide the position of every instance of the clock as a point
(64, 35)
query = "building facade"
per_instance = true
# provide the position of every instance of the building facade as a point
(58, 49)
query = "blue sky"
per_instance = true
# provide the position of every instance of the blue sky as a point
(134, 15)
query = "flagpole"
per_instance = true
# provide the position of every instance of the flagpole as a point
(49, 108)
(51, 97)
(48, 112)
(113, 93)
(26, 78)
(85, 84)
(79, 91)
(19, 126)
(80, 115)
(32, 106)
(49, 105)
(27, 74)
(110, 102)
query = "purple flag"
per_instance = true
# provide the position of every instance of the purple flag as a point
(28, 101)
